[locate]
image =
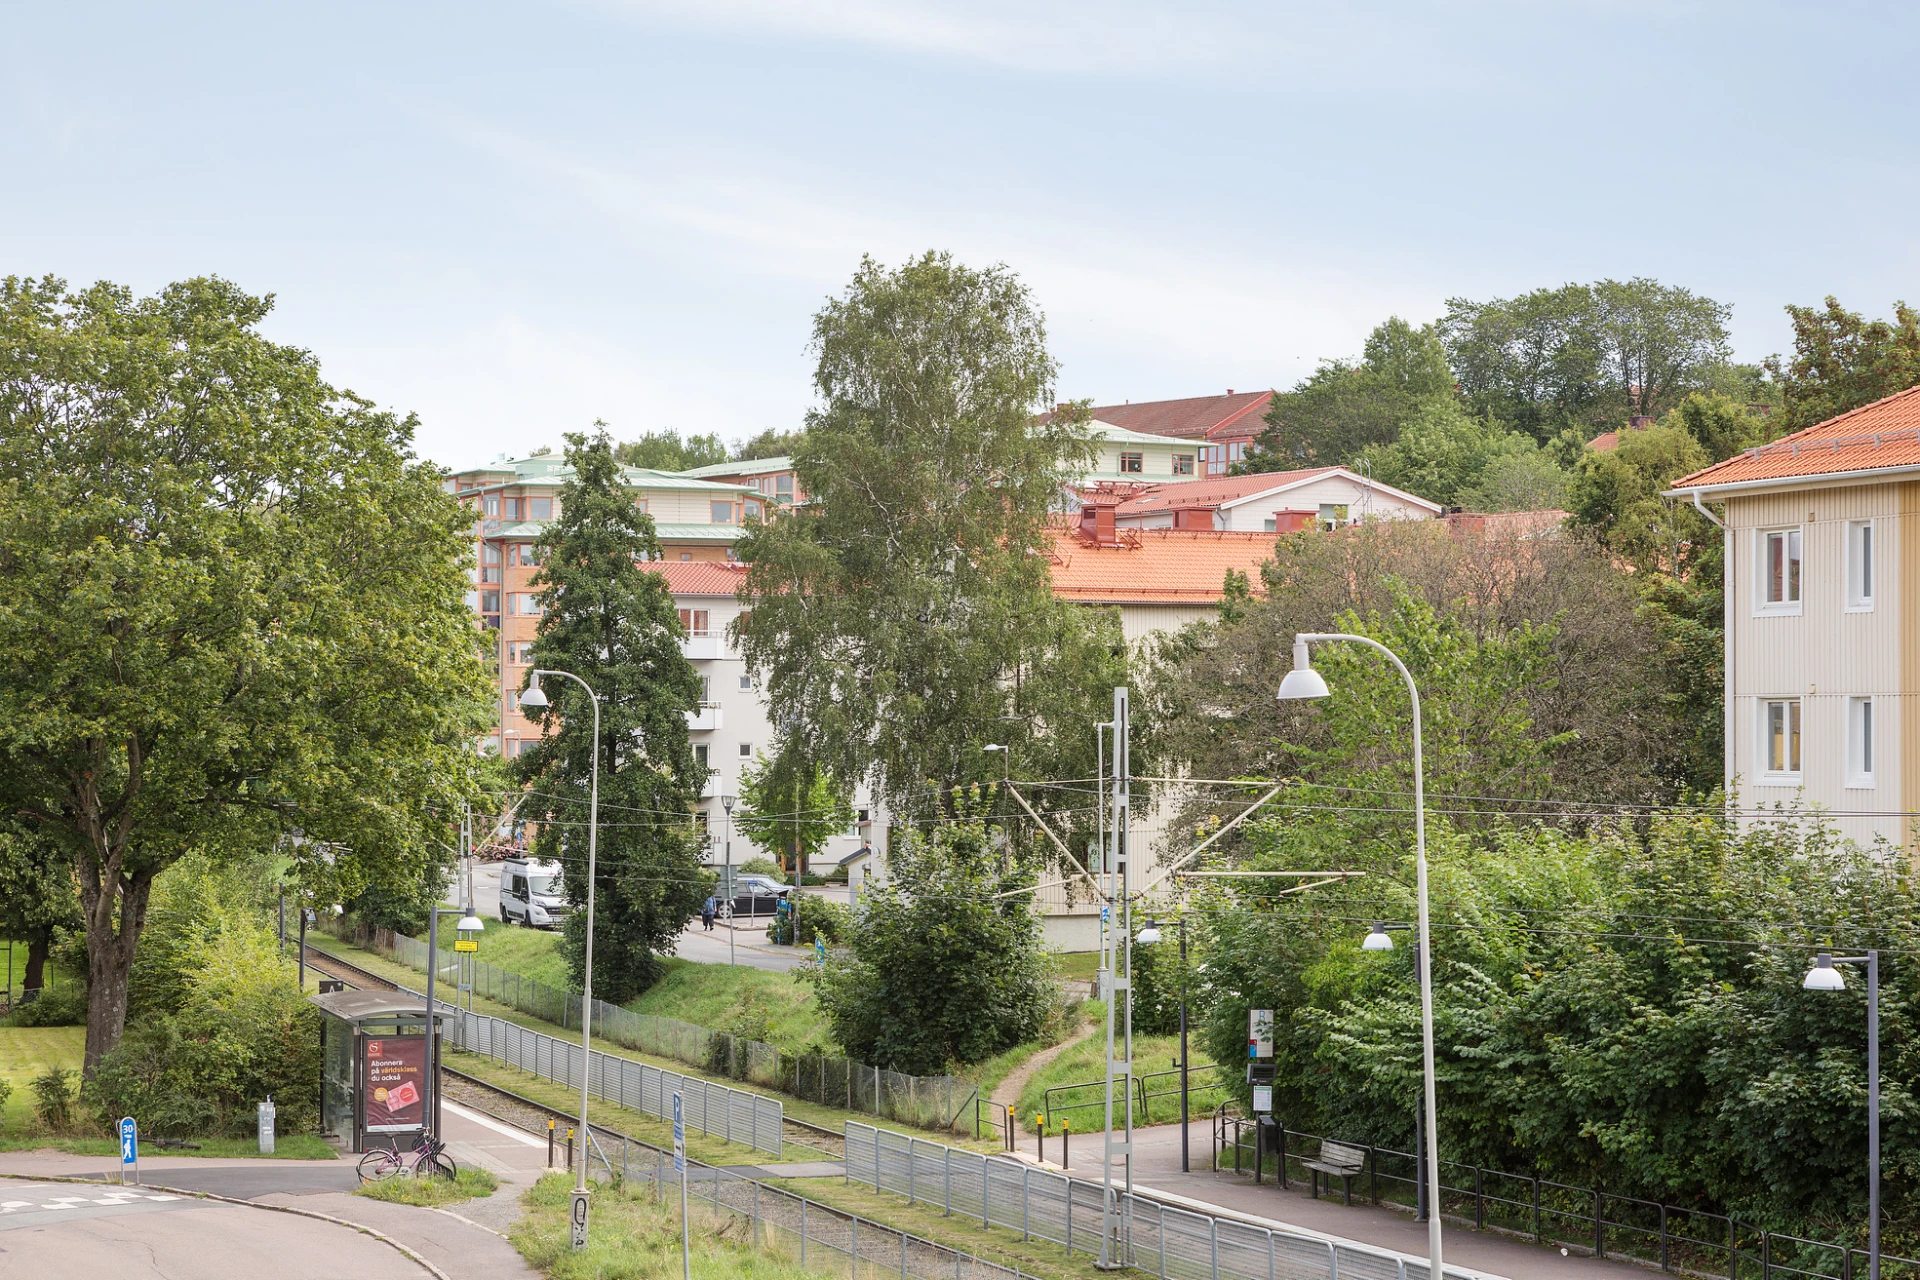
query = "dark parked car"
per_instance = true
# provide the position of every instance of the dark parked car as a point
(755, 895)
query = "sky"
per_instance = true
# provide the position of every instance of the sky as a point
(515, 219)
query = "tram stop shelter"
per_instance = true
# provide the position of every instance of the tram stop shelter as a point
(374, 1083)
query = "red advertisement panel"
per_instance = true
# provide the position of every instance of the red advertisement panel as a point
(396, 1083)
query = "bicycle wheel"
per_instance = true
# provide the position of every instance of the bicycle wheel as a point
(380, 1164)
(437, 1165)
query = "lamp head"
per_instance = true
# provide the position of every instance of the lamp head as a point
(470, 923)
(531, 698)
(994, 746)
(1377, 939)
(1149, 935)
(1823, 976)
(726, 802)
(1303, 681)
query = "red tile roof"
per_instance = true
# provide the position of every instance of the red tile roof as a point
(1874, 437)
(1232, 416)
(700, 577)
(1168, 566)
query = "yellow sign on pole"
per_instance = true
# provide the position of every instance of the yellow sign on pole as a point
(466, 944)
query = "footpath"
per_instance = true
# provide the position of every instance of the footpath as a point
(295, 1220)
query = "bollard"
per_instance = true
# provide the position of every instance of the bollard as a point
(549, 1144)
(266, 1126)
(569, 1148)
(1040, 1137)
(1066, 1127)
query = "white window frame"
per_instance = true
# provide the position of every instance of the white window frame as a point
(1862, 745)
(1762, 547)
(1862, 569)
(1793, 709)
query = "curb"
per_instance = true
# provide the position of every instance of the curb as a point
(381, 1236)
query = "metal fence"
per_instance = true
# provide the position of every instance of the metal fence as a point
(927, 1102)
(819, 1238)
(1138, 1093)
(727, 1113)
(1591, 1221)
(1171, 1243)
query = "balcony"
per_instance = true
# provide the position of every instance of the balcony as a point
(706, 720)
(704, 646)
(710, 787)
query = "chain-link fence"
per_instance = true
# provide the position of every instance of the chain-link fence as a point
(1150, 1236)
(926, 1102)
(820, 1239)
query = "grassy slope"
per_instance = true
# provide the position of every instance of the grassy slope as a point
(534, 953)
(1082, 1063)
(26, 1052)
(705, 994)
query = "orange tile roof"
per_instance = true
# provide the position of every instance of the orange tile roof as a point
(1230, 415)
(1168, 566)
(700, 577)
(1879, 436)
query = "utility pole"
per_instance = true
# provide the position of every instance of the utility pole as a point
(1116, 958)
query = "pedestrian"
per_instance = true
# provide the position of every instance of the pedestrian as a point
(707, 909)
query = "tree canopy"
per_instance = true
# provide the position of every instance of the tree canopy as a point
(791, 807)
(904, 613)
(770, 443)
(235, 608)
(612, 622)
(1343, 407)
(1841, 361)
(667, 450)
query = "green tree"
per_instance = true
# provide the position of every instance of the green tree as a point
(1530, 481)
(937, 969)
(668, 451)
(38, 896)
(771, 443)
(1841, 361)
(1585, 356)
(1617, 495)
(612, 622)
(1442, 453)
(1343, 407)
(792, 807)
(906, 608)
(235, 608)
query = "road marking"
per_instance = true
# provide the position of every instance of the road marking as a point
(489, 1123)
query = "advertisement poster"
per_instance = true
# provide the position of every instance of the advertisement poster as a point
(396, 1084)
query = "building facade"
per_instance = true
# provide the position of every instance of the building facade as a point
(1821, 535)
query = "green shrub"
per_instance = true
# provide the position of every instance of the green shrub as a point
(53, 1099)
(6, 1091)
(832, 921)
(64, 1006)
(758, 867)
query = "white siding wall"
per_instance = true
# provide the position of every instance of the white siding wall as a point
(1824, 655)
(1363, 502)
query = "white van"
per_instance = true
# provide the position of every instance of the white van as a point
(530, 893)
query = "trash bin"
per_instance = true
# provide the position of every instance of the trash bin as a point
(266, 1126)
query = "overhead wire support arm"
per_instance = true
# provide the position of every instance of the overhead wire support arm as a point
(1080, 871)
(1201, 848)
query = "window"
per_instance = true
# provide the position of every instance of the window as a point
(510, 508)
(685, 556)
(694, 620)
(523, 553)
(640, 505)
(493, 504)
(706, 691)
(1780, 738)
(1238, 450)
(525, 603)
(1780, 570)
(1132, 463)
(783, 487)
(520, 652)
(490, 573)
(746, 682)
(489, 602)
(1270, 525)
(1860, 566)
(539, 508)
(1183, 464)
(753, 509)
(700, 755)
(490, 553)
(1333, 514)
(746, 748)
(1859, 742)
(723, 513)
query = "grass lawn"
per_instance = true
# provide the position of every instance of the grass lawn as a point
(705, 994)
(469, 1184)
(632, 1237)
(1081, 1064)
(532, 953)
(26, 1052)
(1077, 966)
(287, 1146)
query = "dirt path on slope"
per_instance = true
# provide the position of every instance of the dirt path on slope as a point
(1008, 1091)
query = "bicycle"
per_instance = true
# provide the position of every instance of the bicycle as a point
(428, 1160)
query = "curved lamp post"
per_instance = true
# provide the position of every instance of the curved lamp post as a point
(1304, 682)
(533, 699)
(1824, 977)
(1148, 937)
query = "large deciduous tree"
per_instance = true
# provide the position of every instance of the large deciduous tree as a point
(1345, 406)
(1841, 361)
(904, 614)
(610, 620)
(668, 450)
(234, 608)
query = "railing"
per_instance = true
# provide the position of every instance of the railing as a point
(929, 1102)
(1140, 1099)
(1148, 1235)
(1584, 1219)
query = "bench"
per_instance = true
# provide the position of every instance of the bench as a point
(1337, 1160)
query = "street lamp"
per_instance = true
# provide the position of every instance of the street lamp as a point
(1380, 938)
(726, 802)
(1824, 977)
(534, 700)
(1304, 682)
(1147, 937)
(1006, 758)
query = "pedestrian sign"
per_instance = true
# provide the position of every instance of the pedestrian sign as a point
(819, 948)
(1106, 914)
(679, 1136)
(129, 1150)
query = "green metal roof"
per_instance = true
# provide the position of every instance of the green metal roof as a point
(758, 467)
(552, 468)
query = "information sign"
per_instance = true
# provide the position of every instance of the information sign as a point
(679, 1137)
(129, 1150)
(394, 1098)
(466, 944)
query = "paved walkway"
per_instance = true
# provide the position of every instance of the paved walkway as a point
(148, 1232)
(1157, 1168)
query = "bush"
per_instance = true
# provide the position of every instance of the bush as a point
(832, 921)
(61, 1007)
(758, 867)
(53, 1099)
